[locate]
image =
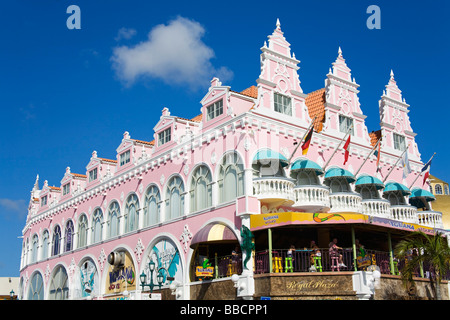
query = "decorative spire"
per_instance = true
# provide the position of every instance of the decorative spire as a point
(340, 52)
(278, 23)
(392, 74)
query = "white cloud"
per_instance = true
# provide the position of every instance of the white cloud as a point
(125, 33)
(13, 208)
(174, 53)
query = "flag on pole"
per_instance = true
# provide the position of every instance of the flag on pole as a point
(405, 165)
(426, 168)
(307, 141)
(377, 154)
(346, 147)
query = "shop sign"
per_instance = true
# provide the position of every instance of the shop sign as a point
(311, 285)
(204, 272)
(364, 261)
(121, 278)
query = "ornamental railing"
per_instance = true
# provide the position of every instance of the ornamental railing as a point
(345, 202)
(404, 213)
(311, 196)
(376, 207)
(276, 188)
(431, 219)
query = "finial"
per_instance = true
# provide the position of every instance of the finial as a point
(278, 23)
(340, 52)
(392, 74)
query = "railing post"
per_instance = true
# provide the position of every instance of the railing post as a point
(391, 254)
(354, 249)
(269, 237)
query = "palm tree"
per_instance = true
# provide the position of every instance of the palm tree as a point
(433, 250)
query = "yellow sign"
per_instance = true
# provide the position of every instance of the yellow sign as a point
(121, 277)
(204, 272)
(270, 220)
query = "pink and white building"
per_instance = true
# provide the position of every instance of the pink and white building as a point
(192, 190)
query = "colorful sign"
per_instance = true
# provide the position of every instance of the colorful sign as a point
(204, 272)
(121, 278)
(273, 220)
(168, 261)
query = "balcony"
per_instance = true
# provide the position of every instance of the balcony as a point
(312, 198)
(376, 207)
(431, 219)
(404, 213)
(345, 202)
(274, 191)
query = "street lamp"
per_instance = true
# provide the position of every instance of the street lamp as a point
(143, 278)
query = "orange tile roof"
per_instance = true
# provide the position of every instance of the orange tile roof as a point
(151, 143)
(197, 118)
(374, 137)
(108, 160)
(54, 188)
(251, 92)
(78, 175)
(315, 102)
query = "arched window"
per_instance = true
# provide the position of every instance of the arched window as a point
(82, 231)
(231, 178)
(174, 198)
(307, 178)
(395, 198)
(45, 243)
(339, 185)
(114, 214)
(132, 213)
(34, 248)
(152, 206)
(56, 240)
(438, 189)
(97, 225)
(68, 239)
(59, 287)
(446, 189)
(201, 189)
(36, 289)
(369, 192)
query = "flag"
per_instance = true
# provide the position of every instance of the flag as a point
(426, 168)
(405, 165)
(307, 141)
(346, 145)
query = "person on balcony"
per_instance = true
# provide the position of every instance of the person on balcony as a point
(288, 260)
(333, 249)
(315, 258)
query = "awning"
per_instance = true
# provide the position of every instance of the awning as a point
(395, 186)
(268, 154)
(339, 172)
(366, 179)
(213, 232)
(307, 164)
(417, 192)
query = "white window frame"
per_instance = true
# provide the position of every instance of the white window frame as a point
(399, 142)
(125, 157)
(164, 136)
(282, 104)
(214, 110)
(66, 188)
(345, 123)
(93, 175)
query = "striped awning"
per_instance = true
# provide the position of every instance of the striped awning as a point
(213, 232)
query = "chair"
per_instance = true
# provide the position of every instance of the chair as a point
(288, 264)
(334, 255)
(318, 263)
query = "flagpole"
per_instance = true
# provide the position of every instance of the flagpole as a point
(335, 150)
(298, 145)
(420, 172)
(370, 153)
(395, 163)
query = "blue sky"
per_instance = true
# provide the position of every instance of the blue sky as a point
(65, 93)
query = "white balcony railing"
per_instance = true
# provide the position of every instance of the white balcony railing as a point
(376, 207)
(431, 219)
(345, 202)
(404, 213)
(274, 190)
(312, 197)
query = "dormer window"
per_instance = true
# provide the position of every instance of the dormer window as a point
(282, 104)
(399, 142)
(125, 158)
(214, 110)
(345, 123)
(164, 137)
(43, 201)
(66, 189)
(93, 175)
